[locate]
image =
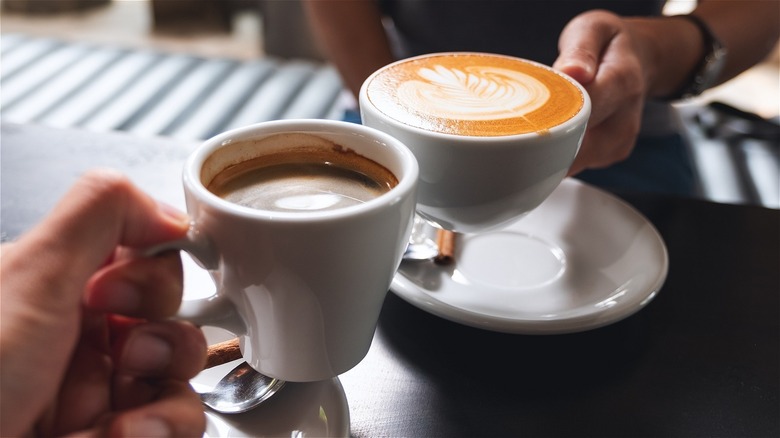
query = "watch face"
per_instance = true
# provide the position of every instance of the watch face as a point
(715, 61)
(709, 72)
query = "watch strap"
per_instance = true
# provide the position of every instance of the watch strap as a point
(709, 68)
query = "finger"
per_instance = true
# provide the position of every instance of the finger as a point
(149, 288)
(102, 210)
(83, 395)
(44, 274)
(583, 42)
(176, 412)
(163, 349)
(619, 82)
(609, 142)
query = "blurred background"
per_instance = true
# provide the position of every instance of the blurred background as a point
(249, 29)
(222, 28)
(192, 68)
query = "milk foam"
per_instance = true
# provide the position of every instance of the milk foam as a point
(473, 93)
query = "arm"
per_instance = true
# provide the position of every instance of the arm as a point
(748, 29)
(624, 61)
(352, 36)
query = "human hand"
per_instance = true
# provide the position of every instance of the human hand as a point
(69, 363)
(600, 51)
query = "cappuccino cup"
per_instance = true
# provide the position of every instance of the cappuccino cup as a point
(302, 225)
(493, 135)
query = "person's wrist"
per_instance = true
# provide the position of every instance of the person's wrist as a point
(709, 65)
(670, 49)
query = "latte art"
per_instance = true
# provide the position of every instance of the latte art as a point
(474, 93)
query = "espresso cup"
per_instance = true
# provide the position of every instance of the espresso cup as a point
(493, 135)
(303, 255)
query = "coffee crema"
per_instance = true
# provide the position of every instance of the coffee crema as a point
(303, 179)
(474, 94)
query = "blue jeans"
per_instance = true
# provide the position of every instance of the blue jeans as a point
(656, 165)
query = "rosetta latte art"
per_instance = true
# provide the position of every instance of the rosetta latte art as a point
(473, 93)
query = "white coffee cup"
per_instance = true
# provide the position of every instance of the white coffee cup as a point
(302, 290)
(482, 180)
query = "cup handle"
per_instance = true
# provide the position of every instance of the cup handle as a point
(216, 310)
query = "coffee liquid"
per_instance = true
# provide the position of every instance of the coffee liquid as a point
(474, 94)
(303, 181)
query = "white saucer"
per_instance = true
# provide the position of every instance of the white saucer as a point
(299, 409)
(581, 260)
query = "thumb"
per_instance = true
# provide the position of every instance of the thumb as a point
(578, 63)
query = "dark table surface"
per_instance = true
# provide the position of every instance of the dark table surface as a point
(702, 359)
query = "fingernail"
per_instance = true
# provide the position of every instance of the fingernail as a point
(146, 427)
(581, 72)
(145, 353)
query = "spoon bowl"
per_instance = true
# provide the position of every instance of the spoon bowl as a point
(422, 250)
(241, 390)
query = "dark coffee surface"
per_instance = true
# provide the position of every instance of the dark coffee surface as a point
(297, 187)
(303, 179)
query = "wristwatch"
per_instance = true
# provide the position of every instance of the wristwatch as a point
(708, 71)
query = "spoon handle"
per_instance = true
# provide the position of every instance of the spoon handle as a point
(223, 352)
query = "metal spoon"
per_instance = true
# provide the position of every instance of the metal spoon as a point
(240, 390)
(421, 251)
(420, 246)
